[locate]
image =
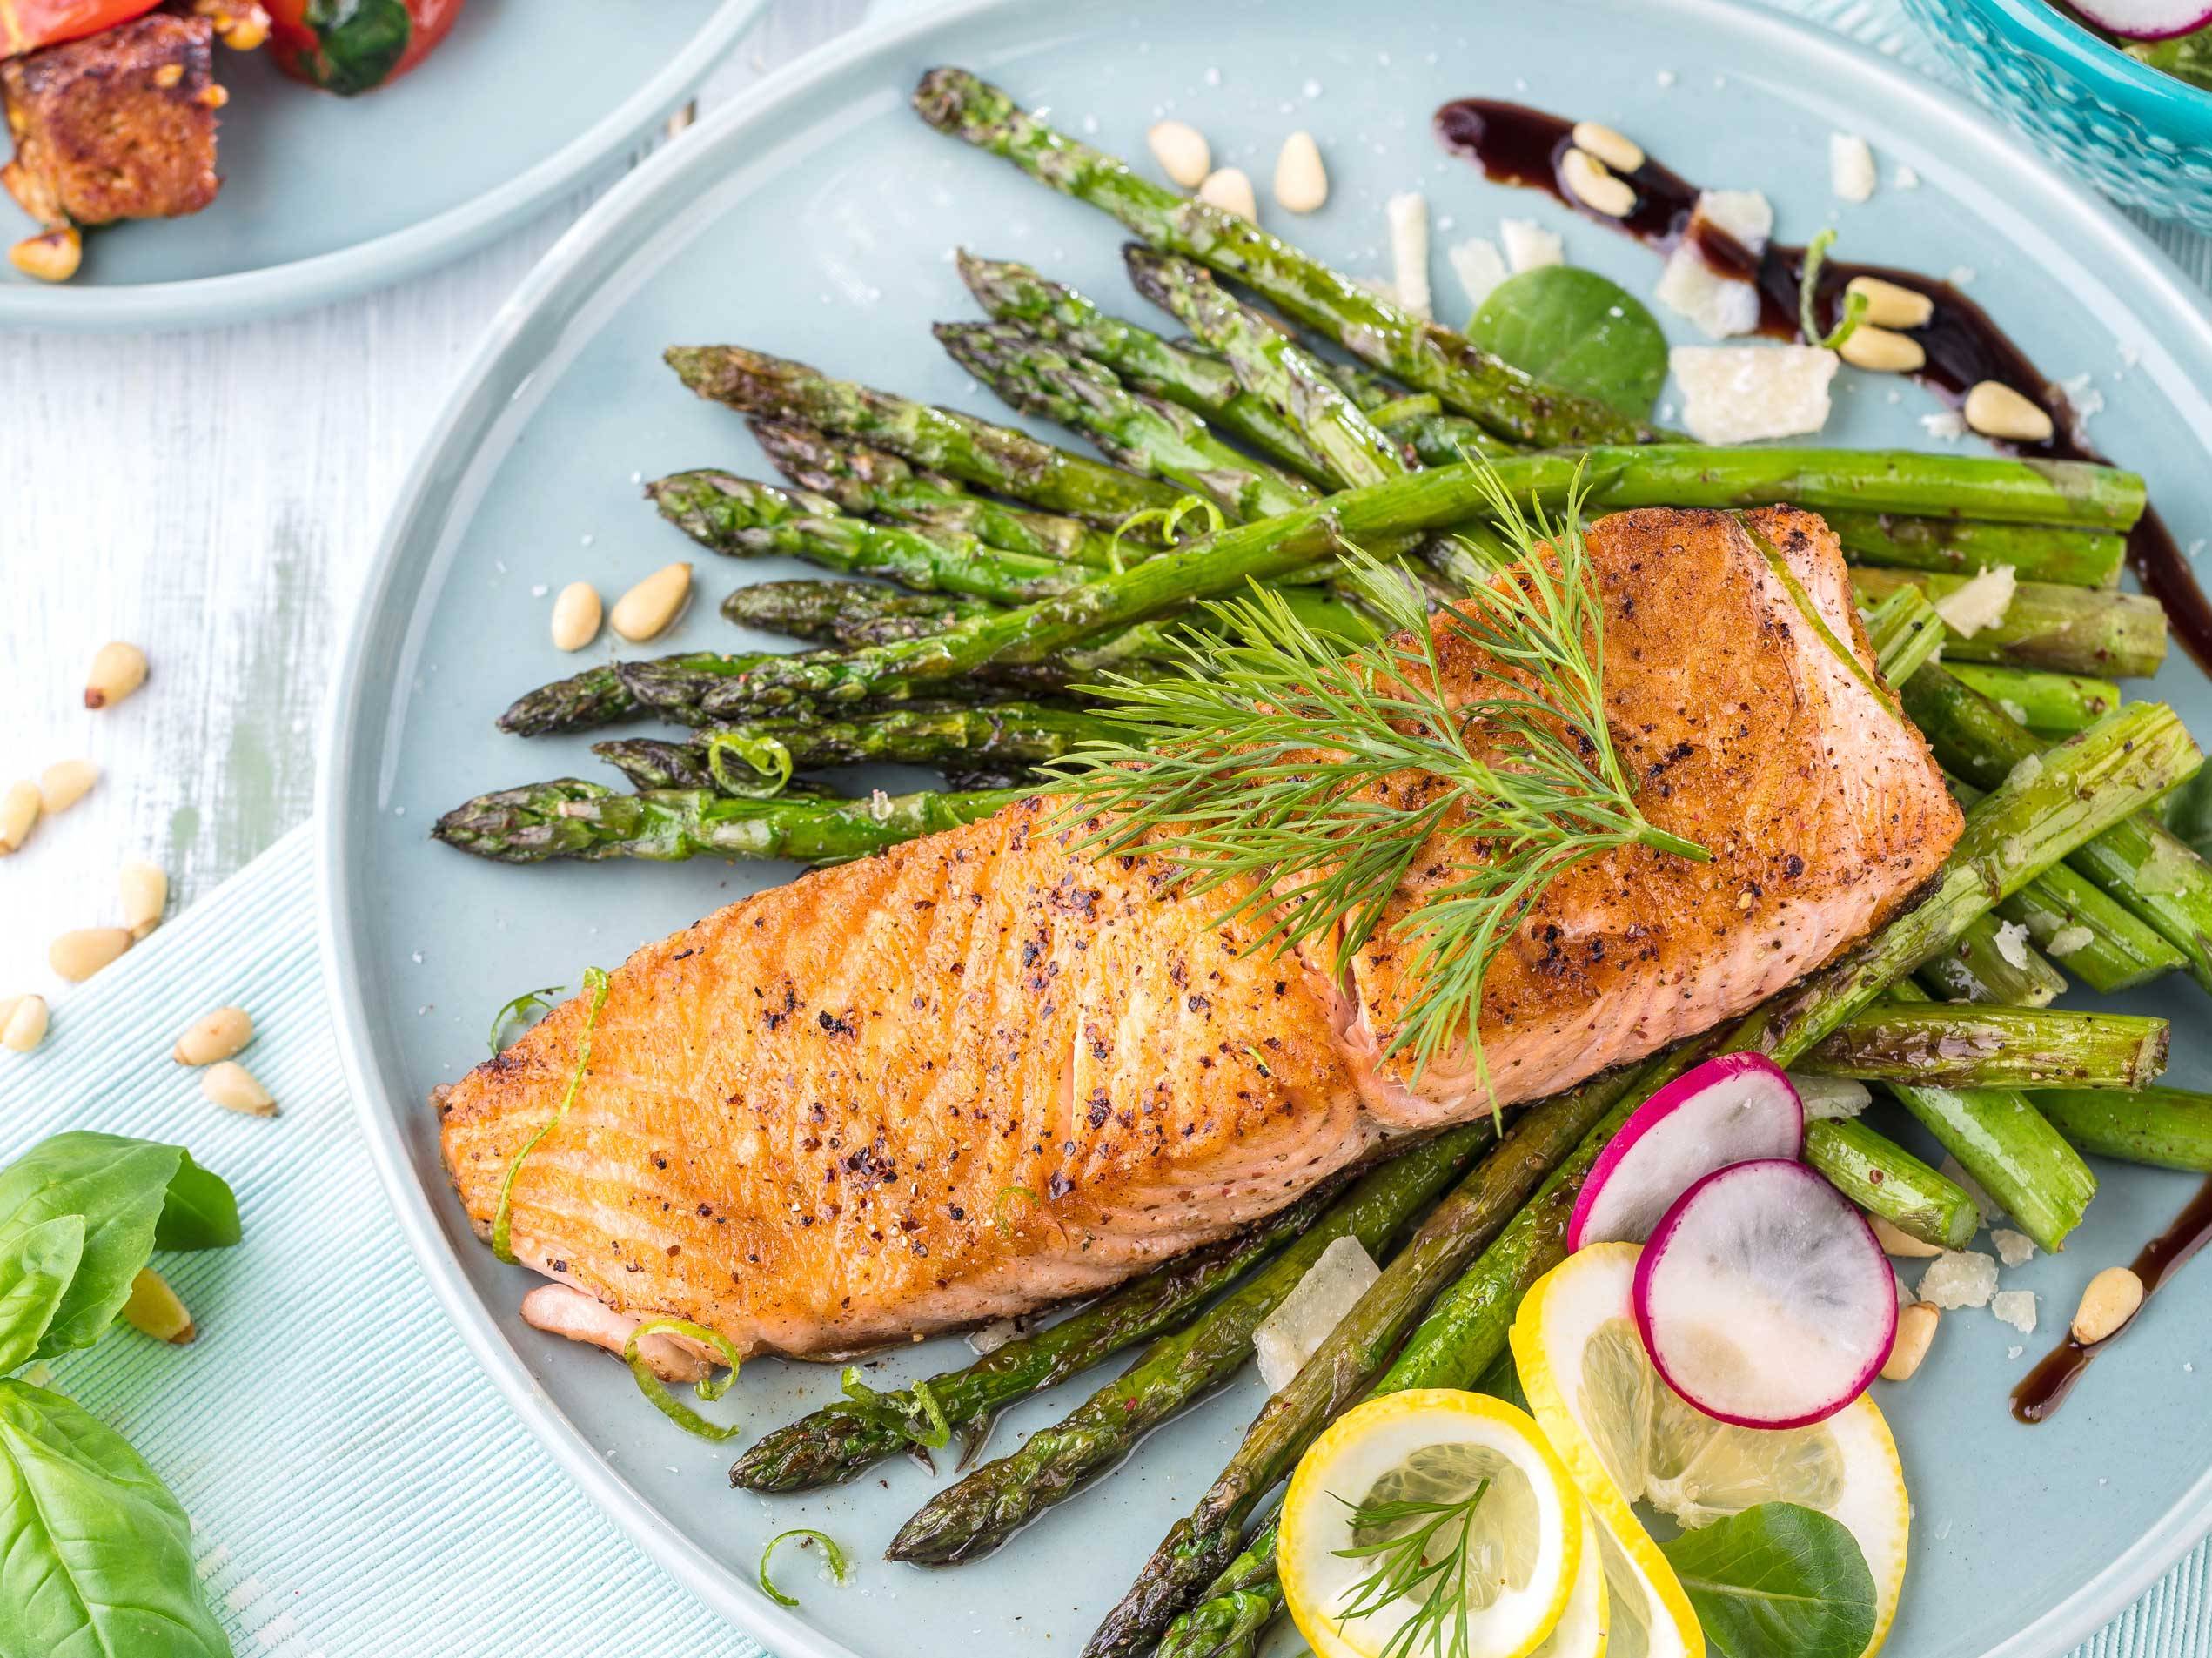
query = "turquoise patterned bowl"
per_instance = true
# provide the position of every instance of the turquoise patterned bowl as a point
(2141, 136)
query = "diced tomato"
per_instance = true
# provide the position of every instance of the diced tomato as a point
(349, 46)
(25, 25)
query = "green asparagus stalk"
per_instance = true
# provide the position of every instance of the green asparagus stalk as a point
(996, 458)
(1420, 354)
(1157, 440)
(2138, 862)
(972, 1518)
(1905, 632)
(2072, 630)
(1205, 385)
(872, 483)
(1957, 547)
(568, 818)
(2051, 705)
(840, 1441)
(1993, 968)
(741, 519)
(1436, 438)
(2088, 934)
(846, 613)
(1987, 1047)
(2168, 1128)
(1006, 736)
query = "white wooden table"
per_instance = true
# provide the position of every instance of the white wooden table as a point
(214, 498)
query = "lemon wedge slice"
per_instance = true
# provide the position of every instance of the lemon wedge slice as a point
(1512, 1556)
(1580, 1632)
(1626, 1437)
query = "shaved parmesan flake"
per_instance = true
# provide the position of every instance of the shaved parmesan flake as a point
(1830, 1097)
(2016, 1308)
(1722, 307)
(2014, 1249)
(1409, 221)
(2012, 942)
(2070, 939)
(1741, 393)
(1982, 602)
(1960, 1277)
(1851, 167)
(1288, 1336)
(1478, 266)
(1529, 244)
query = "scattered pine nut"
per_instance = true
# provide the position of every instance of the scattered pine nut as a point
(50, 256)
(1620, 154)
(576, 615)
(1589, 183)
(1182, 151)
(646, 609)
(1915, 1330)
(145, 895)
(1882, 350)
(19, 810)
(1228, 189)
(117, 670)
(230, 1084)
(1301, 182)
(1994, 410)
(155, 1310)
(24, 1027)
(1902, 1244)
(214, 1036)
(1891, 305)
(64, 783)
(79, 954)
(2106, 1304)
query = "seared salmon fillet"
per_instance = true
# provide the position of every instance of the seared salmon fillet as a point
(984, 1071)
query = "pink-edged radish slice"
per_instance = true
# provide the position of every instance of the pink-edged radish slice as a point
(1733, 1109)
(1763, 1297)
(2147, 19)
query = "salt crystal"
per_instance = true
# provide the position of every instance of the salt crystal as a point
(1312, 89)
(537, 590)
(1665, 78)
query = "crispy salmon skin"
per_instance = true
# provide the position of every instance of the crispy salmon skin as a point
(985, 1070)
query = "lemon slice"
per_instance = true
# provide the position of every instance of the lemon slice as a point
(1580, 1632)
(1523, 1538)
(1626, 1437)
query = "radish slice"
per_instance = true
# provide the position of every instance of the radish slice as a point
(1731, 1110)
(2147, 19)
(1763, 1297)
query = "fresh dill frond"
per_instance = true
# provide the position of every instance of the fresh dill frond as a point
(1428, 1554)
(1325, 776)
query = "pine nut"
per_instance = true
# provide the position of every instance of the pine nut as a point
(1619, 153)
(1995, 410)
(214, 1036)
(576, 616)
(647, 609)
(230, 1084)
(1589, 183)
(64, 783)
(50, 256)
(2106, 1304)
(1230, 190)
(154, 1309)
(25, 1025)
(1915, 1329)
(1902, 1244)
(79, 954)
(1889, 305)
(1301, 182)
(19, 810)
(117, 670)
(1886, 352)
(1182, 151)
(145, 895)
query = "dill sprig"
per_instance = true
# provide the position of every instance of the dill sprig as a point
(1324, 775)
(1431, 1560)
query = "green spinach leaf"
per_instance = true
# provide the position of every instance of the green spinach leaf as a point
(1574, 329)
(1777, 1580)
(97, 1553)
(35, 1274)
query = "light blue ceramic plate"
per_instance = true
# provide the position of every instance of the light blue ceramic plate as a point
(819, 222)
(325, 196)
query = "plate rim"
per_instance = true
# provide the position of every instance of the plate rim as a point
(301, 285)
(345, 721)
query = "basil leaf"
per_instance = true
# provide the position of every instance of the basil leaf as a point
(361, 42)
(1777, 1580)
(95, 1552)
(34, 1276)
(1573, 329)
(198, 1211)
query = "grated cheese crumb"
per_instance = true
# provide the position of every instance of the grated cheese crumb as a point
(2014, 1249)
(1288, 1336)
(1529, 244)
(1408, 214)
(2070, 939)
(2011, 944)
(2016, 1308)
(1741, 393)
(1478, 266)
(1904, 178)
(1851, 167)
(1828, 1098)
(1961, 1278)
(1947, 423)
(1979, 603)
